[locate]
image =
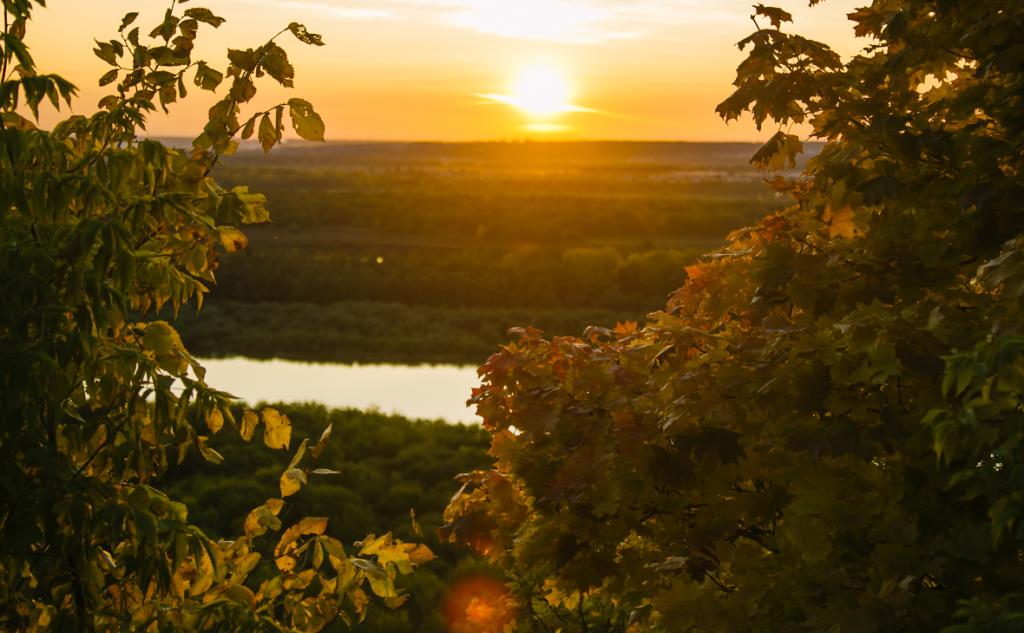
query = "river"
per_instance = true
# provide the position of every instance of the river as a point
(414, 391)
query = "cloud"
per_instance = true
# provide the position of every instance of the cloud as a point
(549, 20)
(578, 22)
(327, 8)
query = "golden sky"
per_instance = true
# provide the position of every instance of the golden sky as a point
(456, 70)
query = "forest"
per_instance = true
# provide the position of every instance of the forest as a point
(430, 252)
(714, 396)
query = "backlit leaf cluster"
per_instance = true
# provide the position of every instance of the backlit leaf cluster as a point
(99, 233)
(823, 428)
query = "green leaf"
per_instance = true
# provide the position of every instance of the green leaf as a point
(109, 77)
(103, 50)
(208, 78)
(299, 454)
(127, 20)
(267, 133)
(249, 128)
(275, 63)
(306, 122)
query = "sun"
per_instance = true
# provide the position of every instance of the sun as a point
(541, 92)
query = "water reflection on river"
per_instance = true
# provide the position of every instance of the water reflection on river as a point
(415, 391)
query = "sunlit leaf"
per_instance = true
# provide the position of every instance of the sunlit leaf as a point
(249, 423)
(277, 431)
(292, 481)
(215, 420)
(307, 123)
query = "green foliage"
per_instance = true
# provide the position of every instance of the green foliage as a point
(384, 251)
(822, 429)
(386, 465)
(590, 277)
(493, 194)
(96, 229)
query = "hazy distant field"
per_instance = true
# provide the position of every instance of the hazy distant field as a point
(428, 251)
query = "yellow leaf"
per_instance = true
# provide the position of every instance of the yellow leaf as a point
(394, 603)
(555, 596)
(278, 431)
(231, 238)
(318, 555)
(204, 576)
(375, 544)
(382, 585)
(161, 339)
(249, 422)
(421, 554)
(245, 565)
(165, 344)
(253, 525)
(285, 563)
(178, 584)
(840, 223)
(308, 525)
(300, 580)
(336, 557)
(359, 601)
(263, 518)
(215, 420)
(390, 550)
(270, 589)
(292, 481)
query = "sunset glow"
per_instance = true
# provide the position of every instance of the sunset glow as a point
(417, 69)
(553, 20)
(541, 93)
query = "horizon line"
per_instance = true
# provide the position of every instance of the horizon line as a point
(508, 141)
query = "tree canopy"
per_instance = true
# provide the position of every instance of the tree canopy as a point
(822, 429)
(98, 231)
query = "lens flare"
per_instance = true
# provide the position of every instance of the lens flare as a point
(478, 604)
